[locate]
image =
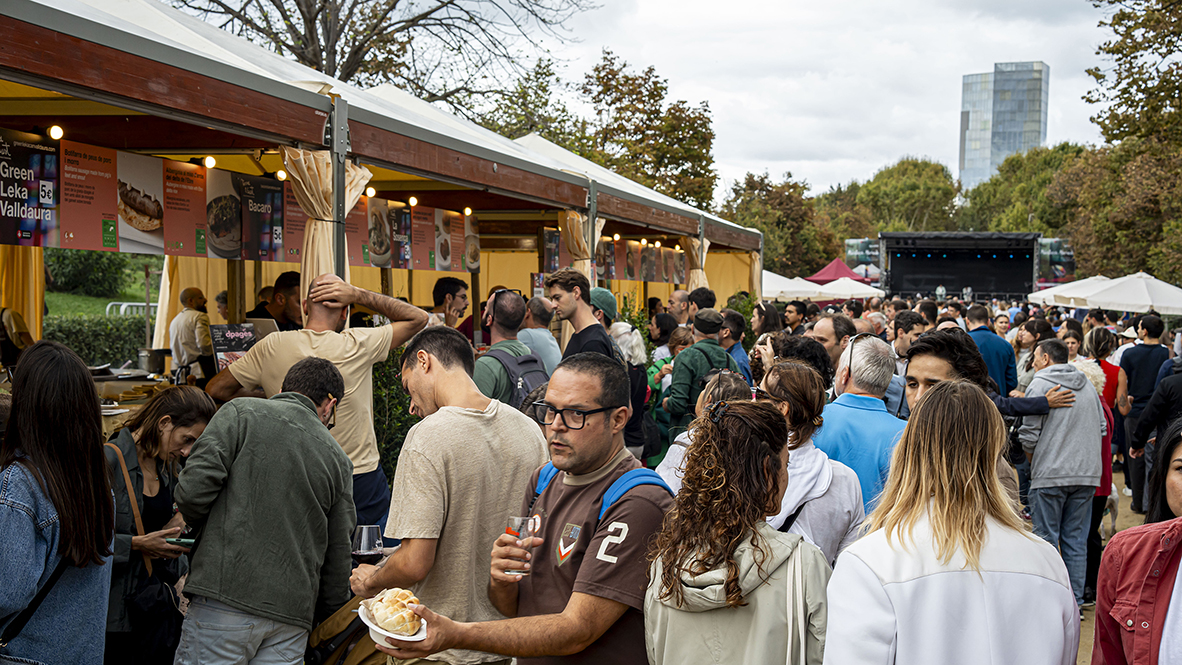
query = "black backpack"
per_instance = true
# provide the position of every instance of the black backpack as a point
(525, 373)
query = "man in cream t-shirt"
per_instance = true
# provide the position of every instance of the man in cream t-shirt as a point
(354, 352)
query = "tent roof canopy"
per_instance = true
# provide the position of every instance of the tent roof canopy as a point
(834, 271)
(197, 89)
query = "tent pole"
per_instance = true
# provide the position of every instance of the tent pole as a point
(236, 290)
(339, 135)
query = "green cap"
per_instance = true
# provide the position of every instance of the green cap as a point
(708, 321)
(603, 299)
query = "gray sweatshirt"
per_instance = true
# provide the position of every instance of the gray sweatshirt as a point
(1065, 442)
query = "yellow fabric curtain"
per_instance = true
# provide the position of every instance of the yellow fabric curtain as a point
(574, 235)
(22, 284)
(695, 262)
(756, 275)
(311, 177)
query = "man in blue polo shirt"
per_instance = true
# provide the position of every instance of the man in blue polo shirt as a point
(858, 431)
(998, 354)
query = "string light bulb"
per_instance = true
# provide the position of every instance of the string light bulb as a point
(371, 192)
(281, 175)
(467, 212)
(616, 237)
(56, 133)
(643, 242)
(210, 161)
(412, 202)
(657, 244)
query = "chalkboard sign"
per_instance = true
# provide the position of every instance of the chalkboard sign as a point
(231, 341)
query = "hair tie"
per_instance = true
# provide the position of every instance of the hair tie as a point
(716, 411)
(818, 421)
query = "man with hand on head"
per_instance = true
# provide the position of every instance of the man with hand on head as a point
(354, 352)
(460, 474)
(582, 596)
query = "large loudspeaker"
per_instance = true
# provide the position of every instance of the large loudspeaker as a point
(984, 271)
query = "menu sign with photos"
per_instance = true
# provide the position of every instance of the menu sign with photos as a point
(449, 239)
(669, 261)
(231, 341)
(262, 218)
(141, 203)
(422, 228)
(630, 260)
(471, 244)
(537, 283)
(184, 209)
(356, 233)
(605, 260)
(380, 248)
(29, 182)
(295, 221)
(400, 236)
(679, 267)
(90, 198)
(648, 263)
(223, 208)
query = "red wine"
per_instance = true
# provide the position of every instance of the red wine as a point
(368, 557)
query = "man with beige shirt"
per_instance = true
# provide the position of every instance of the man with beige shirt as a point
(461, 474)
(354, 352)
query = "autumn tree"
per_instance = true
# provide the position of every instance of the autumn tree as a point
(911, 195)
(839, 211)
(1141, 92)
(537, 104)
(794, 242)
(1015, 198)
(439, 50)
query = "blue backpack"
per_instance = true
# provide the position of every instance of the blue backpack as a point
(630, 479)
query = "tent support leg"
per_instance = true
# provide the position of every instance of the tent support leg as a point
(236, 290)
(339, 135)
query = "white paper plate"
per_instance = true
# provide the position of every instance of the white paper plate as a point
(379, 635)
(135, 241)
(114, 412)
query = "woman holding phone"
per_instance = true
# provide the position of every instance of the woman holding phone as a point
(150, 445)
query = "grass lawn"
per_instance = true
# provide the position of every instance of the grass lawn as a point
(70, 304)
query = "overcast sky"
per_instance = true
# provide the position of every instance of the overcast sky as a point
(834, 91)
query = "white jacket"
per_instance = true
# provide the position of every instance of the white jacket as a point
(890, 604)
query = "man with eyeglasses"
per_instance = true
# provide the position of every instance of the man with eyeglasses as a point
(859, 431)
(460, 474)
(581, 598)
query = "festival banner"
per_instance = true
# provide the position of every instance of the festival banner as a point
(632, 260)
(669, 261)
(648, 263)
(184, 209)
(294, 223)
(28, 189)
(90, 198)
(605, 259)
(141, 203)
(551, 240)
(400, 235)
(422, 224)
(262, 217)
(356, 235)
(379, 233)
(471, 243)
(223, 205)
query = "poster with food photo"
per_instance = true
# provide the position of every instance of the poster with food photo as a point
(679, 267)
(89, 198)
(141, 203)
(605, 260)
(294, 223)
(670, 264)
(262, 217)
(223, 213)
(632, 260)
(184, 209)
(471, 243)
(648, 263)
(356, 233)
(380, 248)
(422, 226)
(449, 237)
(400, 234)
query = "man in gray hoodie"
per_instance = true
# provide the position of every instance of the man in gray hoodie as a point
(1065, 469)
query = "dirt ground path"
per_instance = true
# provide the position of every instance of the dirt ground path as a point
(1125, 518)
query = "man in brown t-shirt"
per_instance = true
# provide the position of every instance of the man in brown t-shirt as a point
(581, 601)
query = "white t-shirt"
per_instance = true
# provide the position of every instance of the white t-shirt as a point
(1171, 633)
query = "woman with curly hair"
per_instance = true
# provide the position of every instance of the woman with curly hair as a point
(723, 581)
(948, 565)
(824, 501)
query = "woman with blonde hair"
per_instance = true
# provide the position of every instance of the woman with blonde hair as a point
(948, 564)
(723, 582)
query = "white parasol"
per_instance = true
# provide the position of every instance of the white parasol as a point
(846, 288)
(1138, 292)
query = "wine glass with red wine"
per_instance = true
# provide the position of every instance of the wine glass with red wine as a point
(367, 544)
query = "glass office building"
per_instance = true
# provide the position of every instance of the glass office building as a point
(1002, 112)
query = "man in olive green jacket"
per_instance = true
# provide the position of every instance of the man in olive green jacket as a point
(692, 364)
(271, 494)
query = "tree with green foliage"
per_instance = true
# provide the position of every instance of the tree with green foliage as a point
(795, 244)
(839, 211)
(912, 195)
(88, 273)
(536, 104)
(1015, 198)
(1140, 95)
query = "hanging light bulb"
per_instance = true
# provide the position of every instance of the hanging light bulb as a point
(56, 133)
(467, 212)
(412, 202)
(616, 237)
(371, 192)
(643, 242)
(657, 243)
(210, 161)
(281, 175)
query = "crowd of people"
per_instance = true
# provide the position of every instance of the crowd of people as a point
(862, 483)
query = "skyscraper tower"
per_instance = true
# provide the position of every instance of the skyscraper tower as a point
(1001, 112)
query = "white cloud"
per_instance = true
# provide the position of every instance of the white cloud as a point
(835, 91)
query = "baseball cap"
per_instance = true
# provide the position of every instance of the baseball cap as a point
(1129, 333)
(708, 321)
(604, 300)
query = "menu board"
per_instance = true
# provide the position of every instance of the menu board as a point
(679, 267)
(90, 198)
(537, 283)
(295, 220)
(669, 260)
(630, 260)
(184, 209)
(378, 231)
(141, 203)
(422, 227)
(231, 341)
(262, 217)
(28, 188)
(551, 239)
(648, 263)
(471, 244)
(605, 260)
(223, 205)
(449, 238)
(356, 233)
(400, 237)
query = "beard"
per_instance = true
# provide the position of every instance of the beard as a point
(202, 309)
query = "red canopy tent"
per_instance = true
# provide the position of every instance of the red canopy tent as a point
(836, 270)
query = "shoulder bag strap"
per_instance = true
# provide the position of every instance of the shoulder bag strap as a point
(135, 508)
(801, 609)
(13, 629)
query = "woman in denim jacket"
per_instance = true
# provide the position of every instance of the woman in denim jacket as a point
(55, 504)
(151, 443)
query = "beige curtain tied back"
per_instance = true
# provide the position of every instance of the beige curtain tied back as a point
(695, 262)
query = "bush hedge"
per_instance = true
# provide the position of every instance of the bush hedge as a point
(391, 412)
(98, 339)
(97, 274)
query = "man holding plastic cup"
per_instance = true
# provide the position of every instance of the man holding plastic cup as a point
(582, 601)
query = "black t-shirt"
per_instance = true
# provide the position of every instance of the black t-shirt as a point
(593, 338)
(1141, 364)
(634, 430)
(261, 312)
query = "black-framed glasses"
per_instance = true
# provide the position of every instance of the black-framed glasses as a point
(761, 394)
(571, 418)
(332, 420)
(850, 359)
